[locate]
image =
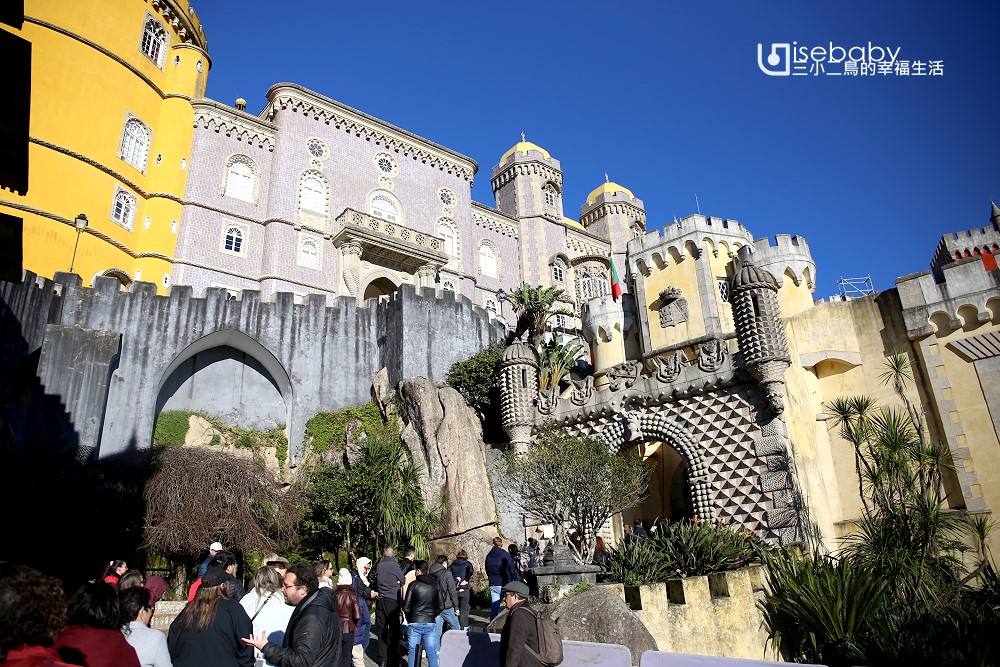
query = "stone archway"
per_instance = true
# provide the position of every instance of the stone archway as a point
(379, 287)
(641, 427)
(229, 375)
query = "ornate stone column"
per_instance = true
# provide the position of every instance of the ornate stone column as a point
(425, 275)
(350, 254)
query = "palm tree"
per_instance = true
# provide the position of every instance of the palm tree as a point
(533, 307)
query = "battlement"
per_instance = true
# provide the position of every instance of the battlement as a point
(319, 356)
(964, 244)
(967, 291)
(788, 254)
(684, 238)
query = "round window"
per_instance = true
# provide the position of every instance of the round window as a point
(316, 148)
(447, 197)
(385, 163)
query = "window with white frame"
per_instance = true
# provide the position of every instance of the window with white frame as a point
(312, 193)
(449, 238)
(123, 208)
(309, 252)
(487, 260)
(491, 305)
(383, 206)
(241, 178)
(550, 195)
(448, 285)
(135, 143)
(232, 240)
(560, 321)
(723, 289)
(592, 286)
(558, 271)
(154, 41)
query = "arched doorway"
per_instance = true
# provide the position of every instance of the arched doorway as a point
(669, 498)
(228, 375)
(379, 287)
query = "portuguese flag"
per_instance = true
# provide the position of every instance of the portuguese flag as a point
(616, 286)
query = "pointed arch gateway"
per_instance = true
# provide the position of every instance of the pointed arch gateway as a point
(641, 427)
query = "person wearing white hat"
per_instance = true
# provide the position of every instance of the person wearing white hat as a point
(213, 549)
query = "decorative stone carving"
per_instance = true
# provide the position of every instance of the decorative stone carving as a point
(713, 355)
(673, 307)
(669, 366)
(351, 254)
(633, 426)
(623, 375)
(582, 390)
(548, 399)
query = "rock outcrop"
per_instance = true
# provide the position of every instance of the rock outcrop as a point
(445, 440)
(598, 615)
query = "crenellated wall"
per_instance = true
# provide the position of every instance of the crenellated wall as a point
(317, 357)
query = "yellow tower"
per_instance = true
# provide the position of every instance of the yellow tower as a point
(110, 134)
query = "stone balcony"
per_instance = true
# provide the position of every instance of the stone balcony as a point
(387, 242)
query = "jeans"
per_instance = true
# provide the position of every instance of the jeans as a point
(425, 634)
(495, 599)
(448, 615)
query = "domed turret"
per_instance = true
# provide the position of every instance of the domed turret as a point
(609, 188)
(524, 147)
(760, 330)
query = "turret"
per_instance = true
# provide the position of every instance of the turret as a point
(606, 323)
(518, 390)
(528, 182)
(760, 330)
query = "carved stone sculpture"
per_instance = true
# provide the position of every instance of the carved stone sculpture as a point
(673, 307)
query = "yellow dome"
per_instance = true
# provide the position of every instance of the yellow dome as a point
(608, 188)
(524, 147)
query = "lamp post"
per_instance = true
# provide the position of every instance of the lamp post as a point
(81, 224)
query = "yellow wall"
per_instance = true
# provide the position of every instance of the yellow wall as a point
(673, 274)
(794, 299)
(80, 99)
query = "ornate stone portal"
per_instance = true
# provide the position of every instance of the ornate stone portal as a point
(722, 413)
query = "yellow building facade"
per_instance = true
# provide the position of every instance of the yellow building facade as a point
(110, 135)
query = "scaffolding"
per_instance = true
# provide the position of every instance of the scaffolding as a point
(855, 288)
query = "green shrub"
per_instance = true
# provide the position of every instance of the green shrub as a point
(687, 549)
(171, 427)
(245, 441)
(327, 430)
(475, 378)
(579, 588)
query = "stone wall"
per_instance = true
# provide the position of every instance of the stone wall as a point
(109, 358)
(714, 615)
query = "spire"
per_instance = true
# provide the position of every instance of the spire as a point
(995, 214)
(607, 180)
(522, 136)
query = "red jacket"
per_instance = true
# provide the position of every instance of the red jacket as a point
(93, 647)
(34, 656)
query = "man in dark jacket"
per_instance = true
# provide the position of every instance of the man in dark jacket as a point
(449, 596)
(422, 606)
(500, 569)
(389, 582)
(462, 570)
(520, 632)
(312, 638)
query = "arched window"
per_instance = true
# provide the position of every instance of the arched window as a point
(232, 240)
(550, 195)
(154, 41)
(309, 253)
(558, 271)
(487, 260)
(446, 232)
(448, 286)
(135, 144)
(241, 178)
(491, 305)
(384, 207)
(123, 209)
(312, 193)
(593, 285)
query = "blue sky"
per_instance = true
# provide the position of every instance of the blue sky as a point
(668, 98)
